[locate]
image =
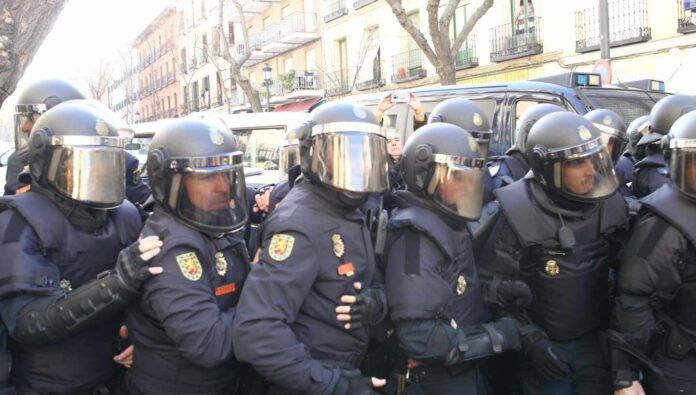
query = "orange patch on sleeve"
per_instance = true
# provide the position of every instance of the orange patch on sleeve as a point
(225, 289)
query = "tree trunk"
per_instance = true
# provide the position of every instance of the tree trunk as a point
(24, 24)
(251, 94)
(446, 71)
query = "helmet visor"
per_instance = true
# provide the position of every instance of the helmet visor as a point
(351, 161)
(289, 157)
(92, 175)
(23, 123)
(614, 145)
(588, 176)
(683, 170)
(212, 198)
(457, 185)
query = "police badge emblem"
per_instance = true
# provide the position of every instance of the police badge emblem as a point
(216, 137)
(101, 128)
(461, 285)
(281, 246)
(220, 263)
(551, 268)
(478, 121)
(584, 133)
(338, 247)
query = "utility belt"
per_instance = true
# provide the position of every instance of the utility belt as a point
(340, 361)
(440, 372)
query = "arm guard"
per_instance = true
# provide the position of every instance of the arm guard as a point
(71, 313)
(475, 342)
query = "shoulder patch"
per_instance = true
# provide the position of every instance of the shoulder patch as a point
(190, 266)
(280, 247)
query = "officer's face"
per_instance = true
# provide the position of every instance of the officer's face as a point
(27, 124)
(691, 172)
(579, 176)
(208, 192)
(455, 186)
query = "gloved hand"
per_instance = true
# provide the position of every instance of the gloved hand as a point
(507, 329)
(507, 293)
(352, 382)
(360, 310)
(548, 364)
(132, 267)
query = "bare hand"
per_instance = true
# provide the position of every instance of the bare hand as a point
(149, 247)
(125, 358)
(378, 383)
(343, 311)
(634, 389)
(415, 103)
(385, 104)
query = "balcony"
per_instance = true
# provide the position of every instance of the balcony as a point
(628, 24)
(686, 17)
(272, 40)
(299, 28)
(362, 3)
(511, 42)
(255, 6)
(466, 56)
(335, 10)
(339, 83)
(408, 66)
(373, 80)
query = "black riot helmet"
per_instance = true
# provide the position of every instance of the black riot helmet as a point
(75, 150)
(444, 163)
(663, 115)
(342, 147)
(567, 156)
(680, 148)
(196, 173)
(638, 128)
(468, 116)
(525, 123)
(613, 130)
(36, 99)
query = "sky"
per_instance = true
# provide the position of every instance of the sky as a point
(85, 32)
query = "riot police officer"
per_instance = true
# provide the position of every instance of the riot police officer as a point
(556, 235)
(468, 116)
(59, 236)
(433, 289)
(34, 100)
(654, 312)
(624, 166)
(613, 130)
(652, 171)
(514, 165)
(182, 326)
(303, 318)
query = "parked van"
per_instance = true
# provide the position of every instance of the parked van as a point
(504, 103)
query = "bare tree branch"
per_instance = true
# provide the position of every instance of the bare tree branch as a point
(411, 29)
(99, 80)
(469, 25)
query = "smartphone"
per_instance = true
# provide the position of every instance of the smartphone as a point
(400, 97)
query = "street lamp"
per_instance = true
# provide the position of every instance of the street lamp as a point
(267, 81)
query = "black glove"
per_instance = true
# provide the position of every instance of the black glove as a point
(363, 310)
(506, 293)
(131, 269)
(548, 364)
(352, 382)
(507, 327)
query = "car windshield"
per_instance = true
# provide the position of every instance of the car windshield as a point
(629, 104)
(262, 147)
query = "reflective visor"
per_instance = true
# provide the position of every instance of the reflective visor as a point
(683, 170)
(93, 175)
(614, 145)
(211, 199)
(351, 161)
(289, 157)
(23, 123)
(457, 185)
(588, 176)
